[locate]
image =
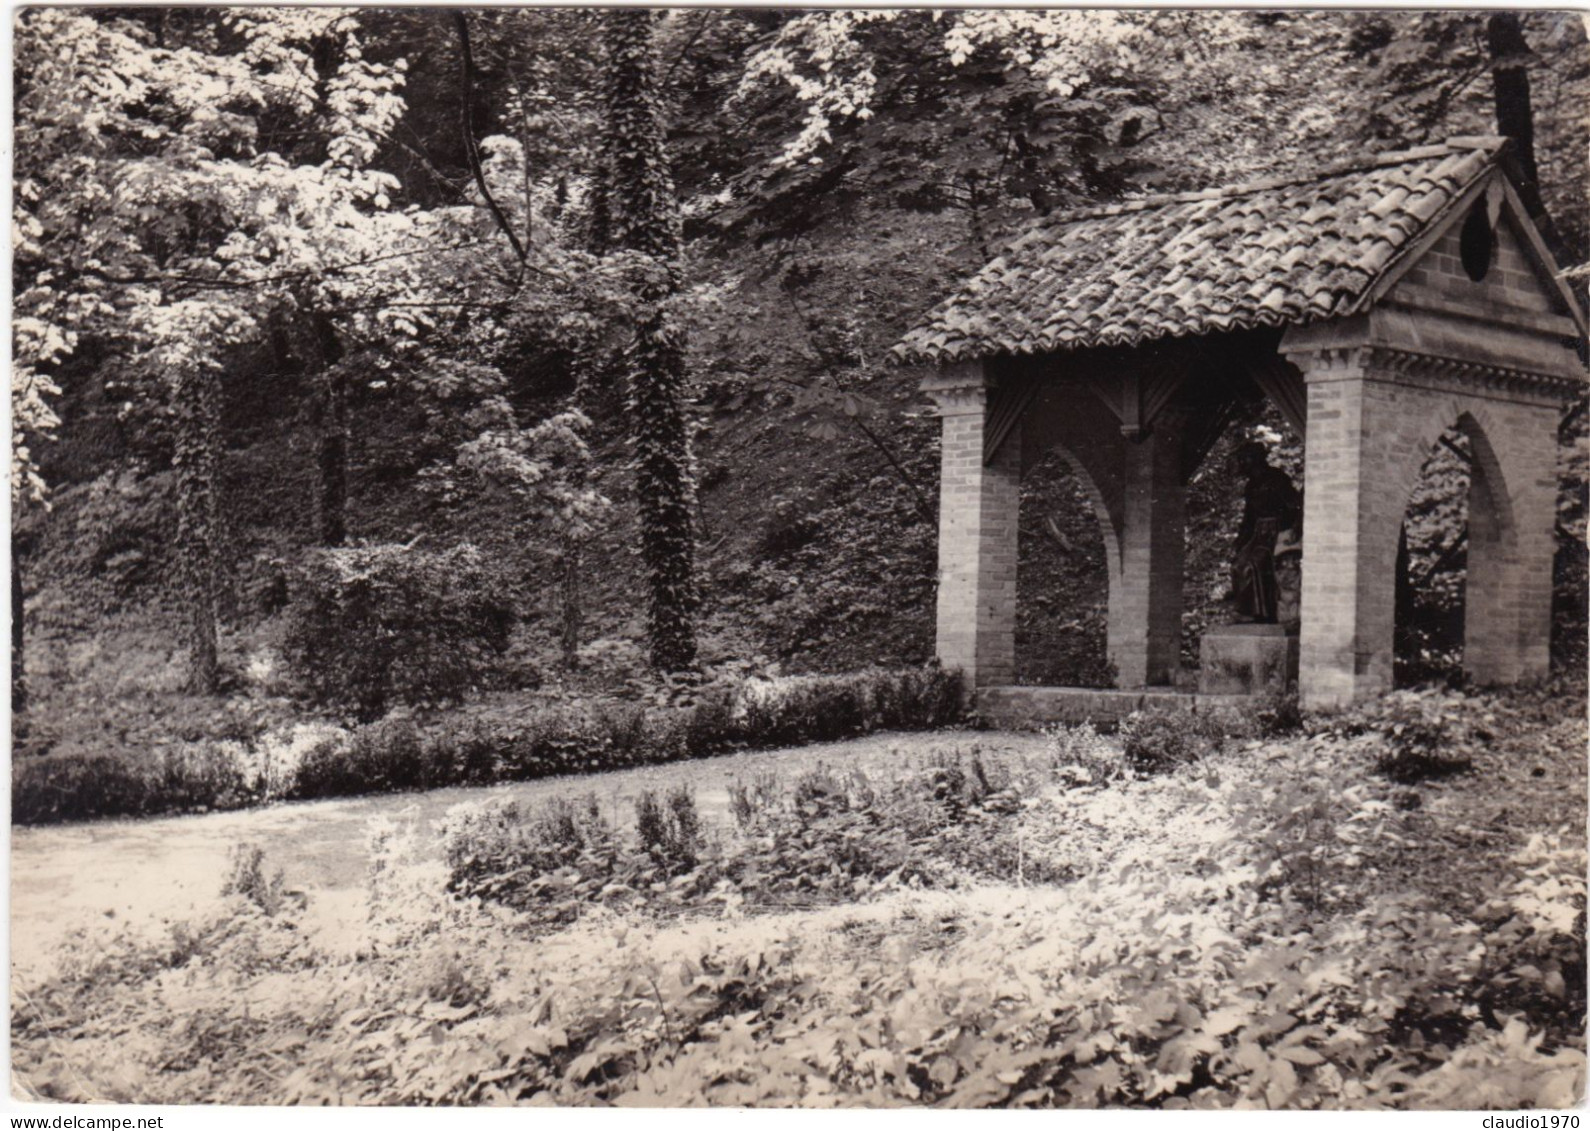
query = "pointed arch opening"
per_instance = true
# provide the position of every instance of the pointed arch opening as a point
(1063, 578)
(1456, 540)
(1215, 499)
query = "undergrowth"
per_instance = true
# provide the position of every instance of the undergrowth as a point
(476, 745)
(1241, 941)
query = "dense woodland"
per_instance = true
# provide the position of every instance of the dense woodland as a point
(413, 398)
(375, 361)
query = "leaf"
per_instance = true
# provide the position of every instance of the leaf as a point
(945, 1069)
(1300, 1055)
(1226, 1020)
(1282, 1086)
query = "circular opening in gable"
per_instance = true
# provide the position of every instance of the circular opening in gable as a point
(1477, 243)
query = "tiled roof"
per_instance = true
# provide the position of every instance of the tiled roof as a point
(1265, 254)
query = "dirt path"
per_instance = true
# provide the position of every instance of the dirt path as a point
(109, 876)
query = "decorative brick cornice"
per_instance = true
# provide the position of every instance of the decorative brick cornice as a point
(1476, 376)
(1318, 364)
(1336, 363)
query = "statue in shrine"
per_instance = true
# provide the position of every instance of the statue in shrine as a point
(1271, 507)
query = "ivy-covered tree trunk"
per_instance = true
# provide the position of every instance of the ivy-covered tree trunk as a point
(19, 680)
(197, 458)
(644, 218)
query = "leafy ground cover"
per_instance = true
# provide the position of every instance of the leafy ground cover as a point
(1283, 921)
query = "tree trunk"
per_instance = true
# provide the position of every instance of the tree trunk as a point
(571, 604)
(645, 219)
(19, 681)
(1515, 118)
(197, 459)
(332, 505)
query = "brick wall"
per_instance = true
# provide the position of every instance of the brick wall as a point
(1511, 281)
(1369, 432)
(1144, 636)
(978, 507)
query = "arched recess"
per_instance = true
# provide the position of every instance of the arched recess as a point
(1068, 550)
(1492, 627)
(1457, 554)
(1215, 500)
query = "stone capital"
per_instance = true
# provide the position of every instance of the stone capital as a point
(960, 389)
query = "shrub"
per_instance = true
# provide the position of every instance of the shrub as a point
(670, 834)
(78, 785)
(372, 624)
(552, 859)
(1278, 713)
(1157, 740)
(246, 878)
(476, 746)
(1428, 733)
(1080, 755)
(379, 757)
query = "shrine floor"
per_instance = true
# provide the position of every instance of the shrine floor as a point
(1020, 707)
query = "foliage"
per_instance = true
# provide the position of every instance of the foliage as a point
(374, 625)
(1157, 739)
(79, 785)
(378, 757)
(828, 837)
(669, 833)
(1236, 956)
(1429, 733)
(1080, 755)
(644, 219)
(1277, 714)
(246, 877)
(248, 761)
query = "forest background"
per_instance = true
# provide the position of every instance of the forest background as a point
(392, 364)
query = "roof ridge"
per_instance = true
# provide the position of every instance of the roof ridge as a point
(1447, 148)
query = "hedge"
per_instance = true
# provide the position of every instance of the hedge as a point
(483, 745)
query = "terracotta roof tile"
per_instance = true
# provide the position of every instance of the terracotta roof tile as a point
(1269, 253)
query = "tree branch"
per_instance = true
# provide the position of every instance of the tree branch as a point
(470, 149)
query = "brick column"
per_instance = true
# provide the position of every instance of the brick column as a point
(1352, 509)
(1144, 636)
(978, 508)
(1512, 518)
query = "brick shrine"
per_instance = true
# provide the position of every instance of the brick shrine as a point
(1375, 304)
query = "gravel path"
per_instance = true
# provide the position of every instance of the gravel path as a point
(108, 876)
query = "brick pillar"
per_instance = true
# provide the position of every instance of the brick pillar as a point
(1353, 501)
(978, 507)
(1512, 517)
(1144, 636)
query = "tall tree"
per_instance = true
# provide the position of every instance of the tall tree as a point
(181, 182)
(644, 219)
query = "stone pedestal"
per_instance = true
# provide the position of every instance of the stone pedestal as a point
(1247, 659)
